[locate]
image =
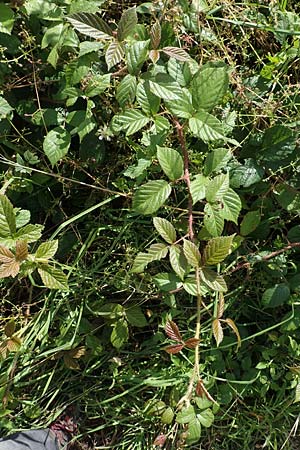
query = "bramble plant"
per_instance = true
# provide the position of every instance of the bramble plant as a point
(15, 260)
(157, 143)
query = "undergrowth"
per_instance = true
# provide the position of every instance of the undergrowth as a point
(149, 221)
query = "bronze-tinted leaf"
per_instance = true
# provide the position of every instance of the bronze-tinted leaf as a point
(5, 254)
(221, 306)
(154, 55)
(76, 353)
(191, 343)
(9, 328)
(71, 363)
(21, 250)
(3, 350)
(234, 328)
(173, 349)
(13, 344)
(217, 331)
(160, 440)
(172, 331)
(9, 269)
(155, 35)
(201, 391)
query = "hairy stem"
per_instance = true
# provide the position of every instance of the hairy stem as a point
(196, 372)
(186, 177)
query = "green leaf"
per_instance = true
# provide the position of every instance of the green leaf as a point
(217, 188)
(47, 249)
(165, 229)
(149, 197)
(167, 416)
(246, 175)
(176, 53)
(216, 160)
(53, 278)
(114, 54)
(217, 249)
(186, 415)
(146, 99)
(276, 295)
(6, 19)
(52, 35)
(206, 418)
(56, 144)
(119, 334)
(5, 108)
(182, 107)
(191, 287)
(198, 188)
(191, 252)
(87, 47)
(178, 260)
(7, 217)
(206, 127)
(91, 25)
(127, 23)
(96, 85)
(126, 90)
(29, 233)
(135, 316)
(167, 281)
(213, 280)
(171, 162)
(288, 197)
(213, 219)
(208, 87)
(232, 205)
(193, 431)
(163, 86)
(279, 142)
(132, 120)
(154, 253)
(134, 172)
(250, 222)
(136, 55)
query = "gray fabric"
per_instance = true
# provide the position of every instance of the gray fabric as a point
(30, 440)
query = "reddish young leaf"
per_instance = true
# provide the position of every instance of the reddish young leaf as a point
(21, 250)
(173, 349)
(5, 254)
(160, 440)
(221, 305)
(217, 331)
(191, 343)
(201, 391)
(172, 331)
(234, 328)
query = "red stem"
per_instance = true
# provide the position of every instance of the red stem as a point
(186, 177)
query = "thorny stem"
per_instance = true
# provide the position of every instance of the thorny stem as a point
(196, 374)
(271, 255)
(186, 177)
